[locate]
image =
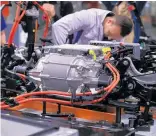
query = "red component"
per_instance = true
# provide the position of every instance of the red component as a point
(44, 17)
(131, 8)
(121, 44)
(18, 18)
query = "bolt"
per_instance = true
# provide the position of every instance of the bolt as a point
(125, 62)
(130, 86)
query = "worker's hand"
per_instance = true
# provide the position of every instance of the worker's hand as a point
(50, 9)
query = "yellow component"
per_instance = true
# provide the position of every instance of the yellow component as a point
(105, 50)
(33, 30)
(91, 52)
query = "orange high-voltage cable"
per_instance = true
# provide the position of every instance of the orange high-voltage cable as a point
(111, 87)
(15, 25)
(47, 18)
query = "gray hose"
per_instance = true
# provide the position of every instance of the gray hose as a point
(142, 78)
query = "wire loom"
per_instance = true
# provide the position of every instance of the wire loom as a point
(21, 98)
(19, 17)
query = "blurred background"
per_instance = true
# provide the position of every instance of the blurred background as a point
(147, 13)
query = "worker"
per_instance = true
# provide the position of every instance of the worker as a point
(91, 24)
(49, 7)
(64, 8)
(3, 26)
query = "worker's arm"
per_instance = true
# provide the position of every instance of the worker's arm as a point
(50, 9)
(70, 24)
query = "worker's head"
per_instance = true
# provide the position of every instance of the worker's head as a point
(116, 27)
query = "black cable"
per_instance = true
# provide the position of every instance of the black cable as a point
(14, 74)
(12, 90)
(11, 102)
(27, 80)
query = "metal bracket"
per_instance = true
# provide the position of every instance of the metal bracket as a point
(115, 45)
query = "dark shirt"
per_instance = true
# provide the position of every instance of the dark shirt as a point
(3, 24)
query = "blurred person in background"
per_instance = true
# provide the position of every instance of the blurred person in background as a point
(93, 4)
(49, 7)
(90, 4)
(111, 4)
(56, 10)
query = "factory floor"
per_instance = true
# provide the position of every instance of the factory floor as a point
(149, 131)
